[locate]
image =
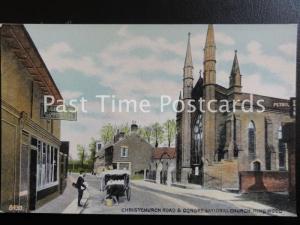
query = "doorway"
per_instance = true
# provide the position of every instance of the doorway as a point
(32, 179)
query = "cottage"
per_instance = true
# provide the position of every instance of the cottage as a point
(129, 152)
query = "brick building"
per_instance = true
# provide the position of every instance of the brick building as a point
(130, 152)
(30, 145)
(213, 147)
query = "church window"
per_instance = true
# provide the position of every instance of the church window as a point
(281, 150)
(198, 135)
(251, 138)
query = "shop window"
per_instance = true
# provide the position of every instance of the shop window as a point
(47, 157)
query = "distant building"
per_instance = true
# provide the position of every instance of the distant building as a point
(130, 152)
(162, 168)
(31, 159)
(214, 147)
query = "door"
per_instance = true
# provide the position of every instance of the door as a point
(32, 179)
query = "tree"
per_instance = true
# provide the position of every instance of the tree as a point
(107, 133)
(170, 128)
(92, 149)
(124, 128)
(81, 154)
(158, 133)
(146, 133)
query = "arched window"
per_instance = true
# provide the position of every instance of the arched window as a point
(198, 135)
(281, 150)
(251, 138)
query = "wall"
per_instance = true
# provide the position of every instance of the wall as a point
(245, 160)
(263, 181)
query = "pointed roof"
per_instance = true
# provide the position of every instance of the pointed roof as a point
(188, 57)
(210, 36)
(235, 65)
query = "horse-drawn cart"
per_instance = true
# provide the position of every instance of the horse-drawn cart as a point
(116, 183)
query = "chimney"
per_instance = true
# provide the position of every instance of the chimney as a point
(121, 135)
(117, 136)
(134, 127)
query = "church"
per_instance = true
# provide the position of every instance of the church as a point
(213, 147)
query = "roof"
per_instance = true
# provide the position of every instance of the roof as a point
(22, 45)
(115, 172)
(164, 153)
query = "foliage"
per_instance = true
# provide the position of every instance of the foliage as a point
(92, 149)
(158, 133)
(146, 133)
(81, 154)
(170, 129)
(107, 133)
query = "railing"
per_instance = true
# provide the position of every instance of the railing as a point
(151, 175)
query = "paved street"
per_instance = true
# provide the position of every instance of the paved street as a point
(146, 200)
(151, 198)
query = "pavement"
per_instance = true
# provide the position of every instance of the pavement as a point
(66, 202)
(73, 208)
(239, 200)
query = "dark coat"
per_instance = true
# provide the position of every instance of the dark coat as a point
(80, 184)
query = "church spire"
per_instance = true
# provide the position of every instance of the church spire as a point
(235, 65)
(210, 57)
(210, 37)
(188, 71)
(235, 75)
(188, 57)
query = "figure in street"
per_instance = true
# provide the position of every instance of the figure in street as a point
(80, 187)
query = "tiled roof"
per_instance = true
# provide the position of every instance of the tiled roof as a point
(164, 153)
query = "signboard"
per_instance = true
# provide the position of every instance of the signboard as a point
(52, 114)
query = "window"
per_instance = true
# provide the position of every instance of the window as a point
(281, 150)
(98, 146)
(39, 164)
(47, 157)
(124, 152)
(198, 136)
(251, 138)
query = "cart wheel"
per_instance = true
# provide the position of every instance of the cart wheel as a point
(128, 193)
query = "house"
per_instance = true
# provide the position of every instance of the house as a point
(162, 168)
(129, 152)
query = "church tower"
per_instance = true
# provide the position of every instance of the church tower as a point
(209, 117)
(186, 116)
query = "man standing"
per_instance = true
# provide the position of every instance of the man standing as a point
(81, 187)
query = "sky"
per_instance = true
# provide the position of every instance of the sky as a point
(146, 61)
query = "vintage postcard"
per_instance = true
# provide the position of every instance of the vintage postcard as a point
(148, 119)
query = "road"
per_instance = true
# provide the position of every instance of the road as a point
(145, 200)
